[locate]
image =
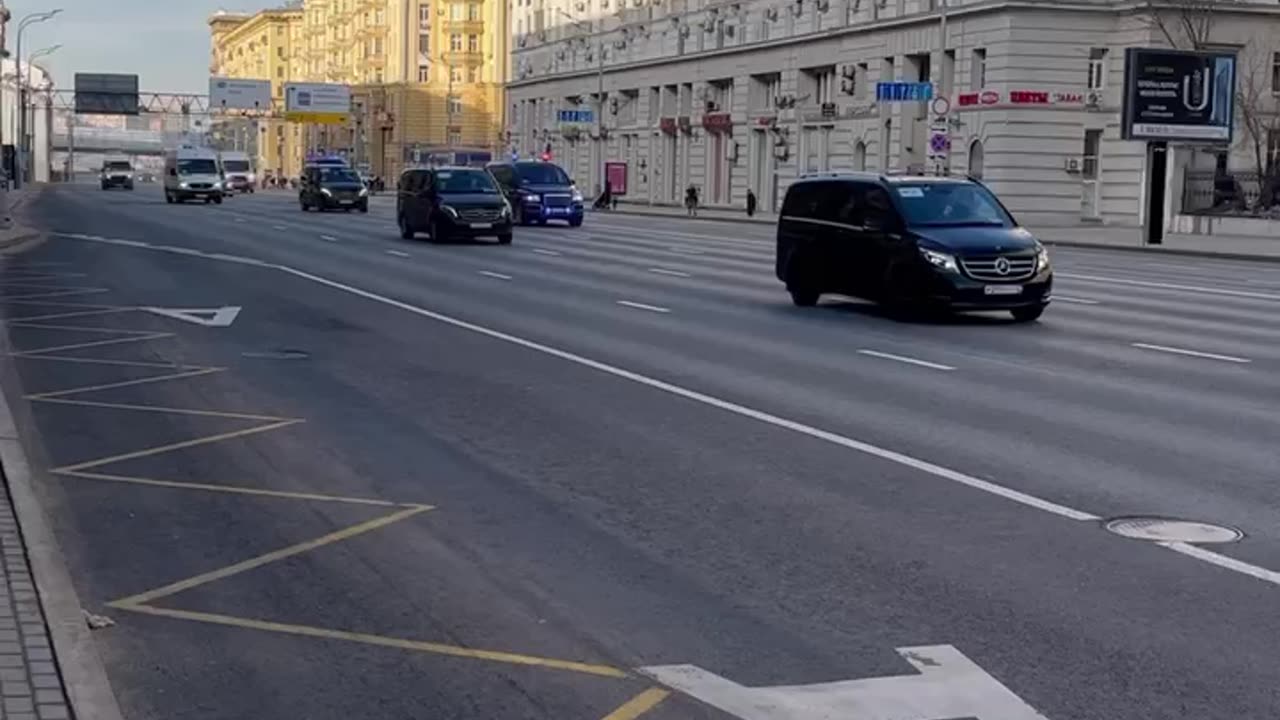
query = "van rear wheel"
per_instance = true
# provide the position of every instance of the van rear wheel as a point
(803, 296)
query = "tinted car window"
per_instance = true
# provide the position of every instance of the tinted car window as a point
(942, 204)
(464, 181)
(118, 166)
(877, 209)
(236, 165)
(801, 200)
(503, 174)
(541, 174)
(337, 175)
(197, 167)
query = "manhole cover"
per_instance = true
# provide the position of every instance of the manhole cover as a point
(1156, 529)
(277, 355)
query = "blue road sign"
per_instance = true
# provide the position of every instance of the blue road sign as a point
(904, 91)
(585, 117)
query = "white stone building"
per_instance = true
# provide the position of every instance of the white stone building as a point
(39, 84)
(736, 94)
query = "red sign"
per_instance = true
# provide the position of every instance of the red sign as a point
(615, 173)
(667, 125)
(767, 120)
(1069, 98)
(717, 122)
(967, 99)
(1029, 97)
(989, 97)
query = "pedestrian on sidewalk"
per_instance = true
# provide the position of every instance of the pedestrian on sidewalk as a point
(751, 203)
(691, 200)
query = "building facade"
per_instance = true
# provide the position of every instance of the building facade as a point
(731, 95)
(426, 76)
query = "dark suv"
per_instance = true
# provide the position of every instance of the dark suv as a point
(910, 241)
(326, 187)
(539, 191)
(451, 202)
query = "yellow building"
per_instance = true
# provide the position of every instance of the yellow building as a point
(262, 46)
(426, 75)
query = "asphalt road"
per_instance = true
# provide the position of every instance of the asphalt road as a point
(635, 452)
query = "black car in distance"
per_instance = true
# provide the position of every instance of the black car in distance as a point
(920, 242)
(117, 173)
(331, 187)
(451, 202)
(539, 191)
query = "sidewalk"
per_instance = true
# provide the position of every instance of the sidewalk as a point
(12, 230)
(1085, 236)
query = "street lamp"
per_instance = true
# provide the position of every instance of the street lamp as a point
(31, 19)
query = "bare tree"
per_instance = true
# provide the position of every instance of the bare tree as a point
(1185, 24)
(1259, 124)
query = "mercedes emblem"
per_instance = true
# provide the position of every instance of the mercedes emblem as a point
(1002, 266)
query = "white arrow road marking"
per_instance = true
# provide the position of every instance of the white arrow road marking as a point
(208, 317)
(948, 685)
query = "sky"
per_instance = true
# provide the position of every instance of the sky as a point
(164, 42)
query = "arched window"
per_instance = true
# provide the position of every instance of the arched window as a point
(975, 159)
(860, 156)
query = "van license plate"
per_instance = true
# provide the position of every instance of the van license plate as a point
(481, 226)
(1003, 289)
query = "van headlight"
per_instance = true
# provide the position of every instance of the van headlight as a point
(506, 210)
(532, 197)
(449, 209)
(1042, 258)
(182, 185)
(940, 260)
(326, 191)
(364, 191)
(577, 196)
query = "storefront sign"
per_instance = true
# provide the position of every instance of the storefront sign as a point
(1022, 98)
(1178, 95)
(904, 91)
(718, 122)
(975, 99)
(616, 174)
(575, 117)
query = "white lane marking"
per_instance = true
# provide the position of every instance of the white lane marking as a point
(1223, 561)
(672, 273)
(777, 421)
(687, 251)
(279, 227)
(945, 684)
(544, 251)
(490, 273)
(397, 253)
(642, 306)
(1075, 300)
(240, 219)
(1172, 286)
(208, 317)
(1191, 353)
(904, 359)
(329, 238)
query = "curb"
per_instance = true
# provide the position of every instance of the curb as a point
(84, 677)
(744, 220)
(16, 235)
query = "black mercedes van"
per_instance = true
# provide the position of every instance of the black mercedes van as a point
(925, 242)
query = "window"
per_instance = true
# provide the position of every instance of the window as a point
(454, 137)
(1097, 68)
(473, 12)
(457, 11)
(473, 74)
(455, 42)
(978, 69)
(454, 104)
(949, 205)
(280, 52)
(976, 159)
(860, 156)
(455, 75)
(1275, 73)
(279, 72)
(424, 15)
(424, 73)
(1089, 162)
(424, 44)
(473, 43)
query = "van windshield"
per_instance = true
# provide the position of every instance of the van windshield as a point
(542, 174)
(119, 165)
(236, 165)
(950, 204)
(464, 182)
(197, 166)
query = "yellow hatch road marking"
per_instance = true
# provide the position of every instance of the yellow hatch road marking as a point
(156, 408)
(96, 343)
(639, 705)
(108, 361)
(126, 383)
(148, 452)
(259, 561)
(232, 489)
(60, 293)
(383, 641)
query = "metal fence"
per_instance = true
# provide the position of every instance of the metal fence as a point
(1249, 194)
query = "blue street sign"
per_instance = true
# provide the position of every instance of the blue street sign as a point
(904, 91)
(585, 117)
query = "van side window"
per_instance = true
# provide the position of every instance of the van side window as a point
(849, 205)
(802, 200)
(504, 175)
(879, 209)
(426, 180)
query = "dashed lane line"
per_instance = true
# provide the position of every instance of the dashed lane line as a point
(328, 238)
(1171, 286)
(643, 306)
(905, 359)
(397, 253)
(544, 251)
(672, 273)
(1191, 353)
(495, 275)
(1075, 300)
